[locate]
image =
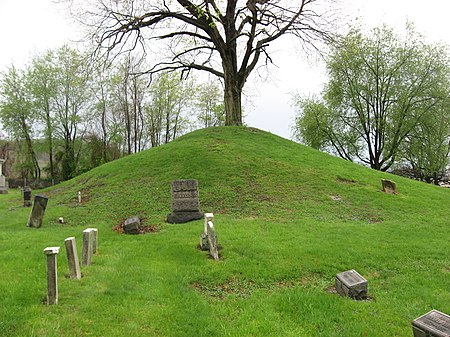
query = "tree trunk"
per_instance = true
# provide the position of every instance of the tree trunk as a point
(232, 100)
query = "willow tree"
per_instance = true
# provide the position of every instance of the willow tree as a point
(225, 38)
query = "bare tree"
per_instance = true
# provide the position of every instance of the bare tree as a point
(225, 38)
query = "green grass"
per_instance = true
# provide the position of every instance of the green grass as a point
(284, 239)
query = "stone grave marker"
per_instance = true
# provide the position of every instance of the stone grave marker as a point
(3, 182)
(72, 258)
(52, 274)
(185, 202)
(350, 283)
(433, 324)
(88, 246)
(38, 211)
(204, 244)
(389, 186)
(212, 241)
(94, 240)
(132, 225)
(27, 196)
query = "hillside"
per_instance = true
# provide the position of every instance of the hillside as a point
(288, 219)
(246, 173)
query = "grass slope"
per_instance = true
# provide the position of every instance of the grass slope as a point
(284, 237)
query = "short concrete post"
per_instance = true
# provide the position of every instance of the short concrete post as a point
(72, 258)
(86, 253)
(52, 275)
(204, 244)
(38, 211)
(212, 240)
(79, 197)
(94, 240)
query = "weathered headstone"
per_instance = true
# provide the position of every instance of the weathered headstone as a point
(132, 225)
(3, 182)
(212, 241)
(185, 202)
(72, 258)
(433, 324)
(350, 283)
(52, 274)
(94, 239)
(88, 247)
(38, 211)
(204, 244)
(27, 196)
(389, 186)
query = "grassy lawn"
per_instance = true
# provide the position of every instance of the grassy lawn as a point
(288, 218)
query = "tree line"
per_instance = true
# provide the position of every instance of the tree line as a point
(386, 104)
(82, 114)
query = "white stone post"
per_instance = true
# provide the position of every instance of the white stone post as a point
(72, 258)
(94, 240)
(52, 275)
(79, 197)
(204, 244)
(212, 240)
(88, 241)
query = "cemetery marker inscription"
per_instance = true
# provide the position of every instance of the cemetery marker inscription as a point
(433, 324)
(350, 283)
(185, 201)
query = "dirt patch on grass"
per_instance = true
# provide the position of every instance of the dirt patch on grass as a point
(238, 286)
(143, 229)
(345, 180)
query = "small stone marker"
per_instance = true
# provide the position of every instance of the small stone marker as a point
(212, 240)
(79, 197)
(432, 324)
(27, 196)
(204, 244)
(72, 258)
(3, 182)
(52, 274)
(88, 246)
(132, 225)
(94, 240)
(185, 202)
(38, 211)
(389, 186)
(350, 283)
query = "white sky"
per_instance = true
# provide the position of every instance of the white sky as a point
(28, 27)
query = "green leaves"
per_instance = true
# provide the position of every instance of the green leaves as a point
(381, 89)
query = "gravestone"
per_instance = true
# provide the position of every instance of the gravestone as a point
(38, 211)
(389, 186)
(88, 247)
(350, 283)
(52, 274)
(212, 241)
(185, 202)
(3, 182)
(204, 244)
(27, 196)
(72, 258)
(132, 225)
(433, 324)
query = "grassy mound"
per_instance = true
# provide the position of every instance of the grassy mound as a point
(245, 173)
(288, 218)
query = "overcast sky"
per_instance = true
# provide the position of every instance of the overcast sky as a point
(28, 27)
